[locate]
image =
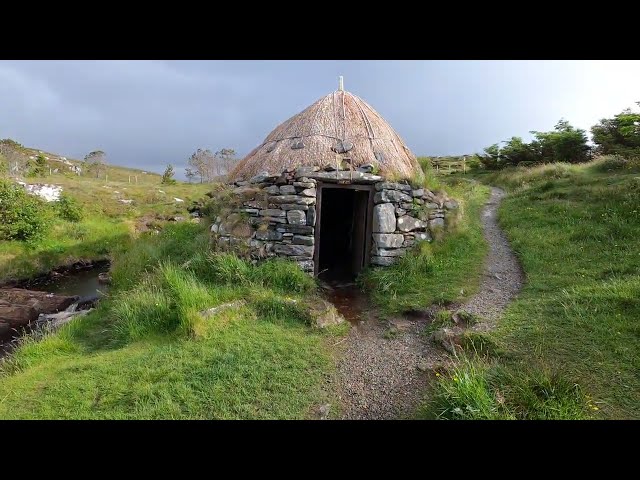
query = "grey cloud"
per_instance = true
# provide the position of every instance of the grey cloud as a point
(150, 113)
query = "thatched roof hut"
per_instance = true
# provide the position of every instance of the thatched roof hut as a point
(338, 125)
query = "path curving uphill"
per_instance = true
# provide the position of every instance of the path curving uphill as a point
(503, 276)
(382, 376)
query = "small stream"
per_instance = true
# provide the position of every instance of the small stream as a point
(82, 283)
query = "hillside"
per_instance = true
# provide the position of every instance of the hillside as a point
(568, 346)
(117, 207)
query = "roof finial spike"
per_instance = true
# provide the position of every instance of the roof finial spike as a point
(341, 83)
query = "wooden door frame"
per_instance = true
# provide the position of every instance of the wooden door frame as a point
(320, 186)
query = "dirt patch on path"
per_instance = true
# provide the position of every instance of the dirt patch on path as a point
(384, 367)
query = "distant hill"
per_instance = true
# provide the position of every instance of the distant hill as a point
(17, 157)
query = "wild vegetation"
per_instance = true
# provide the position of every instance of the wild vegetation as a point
(568, 346)
(93, 218)
(150, 350)
(619, 135)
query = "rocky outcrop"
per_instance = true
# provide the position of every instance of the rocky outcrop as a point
(20, 308)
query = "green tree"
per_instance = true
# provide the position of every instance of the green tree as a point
(190, 174)
(202, 163)
(38, 167)
(619, 135)
(564, 144)
(96, 161)
(167, 176)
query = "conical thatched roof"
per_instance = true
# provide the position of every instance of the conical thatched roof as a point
(342, 123)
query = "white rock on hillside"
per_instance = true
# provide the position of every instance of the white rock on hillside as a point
(49, 193)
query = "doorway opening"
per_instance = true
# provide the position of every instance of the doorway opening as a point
(343, 231)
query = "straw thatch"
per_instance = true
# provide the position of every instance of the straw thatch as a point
(320, 134)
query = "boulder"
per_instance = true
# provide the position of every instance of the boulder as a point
(388, 240)
(323, 313)
(393, 186)
(294, 250)
(292, 199)
(306, 171)
(262, 177)
(391, 196)
(348, 176)
(272, 212)
(300, 229)
(384, 218)
(20, 307)
(292, 206)
(303, 240)
(409, 224)
(304, 185)
(269, 235)
(287, 190)
(17, 316)
(296, 217)
(43, 302)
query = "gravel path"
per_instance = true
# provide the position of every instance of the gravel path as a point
(383, 368)
(503, 276)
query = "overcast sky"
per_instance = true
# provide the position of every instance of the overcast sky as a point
(150, 113)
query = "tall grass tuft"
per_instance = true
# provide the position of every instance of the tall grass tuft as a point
(478, 390)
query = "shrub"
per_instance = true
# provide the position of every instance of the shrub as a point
(69, 209)
(167, 176)
(22, 216)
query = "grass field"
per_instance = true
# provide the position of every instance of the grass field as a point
(569, 346)
(108, 224)
(146, 351)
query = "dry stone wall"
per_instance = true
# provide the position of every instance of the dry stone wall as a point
(275, 215)
(403, 216)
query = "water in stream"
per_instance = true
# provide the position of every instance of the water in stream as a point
(83, 283)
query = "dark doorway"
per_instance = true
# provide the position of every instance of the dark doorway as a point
(343, 236)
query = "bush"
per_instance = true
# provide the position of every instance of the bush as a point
(22, 216)
(69, 209)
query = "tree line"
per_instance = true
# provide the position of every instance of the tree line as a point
(619, 135)
(203, 164)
